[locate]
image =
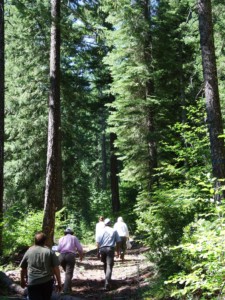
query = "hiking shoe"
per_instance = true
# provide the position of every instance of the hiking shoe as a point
(107, 286)
(66, 293)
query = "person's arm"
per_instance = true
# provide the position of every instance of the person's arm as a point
(81, 252)
(98, 253)
(56, 273)
(59, 248)
(127, 232)
(79, 248)
(23, 277)
(118, 242)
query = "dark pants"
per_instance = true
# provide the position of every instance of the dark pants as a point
(107, 257)
(67, 261)
(40, 291)
(123, 246)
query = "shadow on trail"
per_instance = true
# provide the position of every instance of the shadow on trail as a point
(130, 278)
(120, 289)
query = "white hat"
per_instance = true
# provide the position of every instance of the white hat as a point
(107, 221)
(68, 230)
(120, 219)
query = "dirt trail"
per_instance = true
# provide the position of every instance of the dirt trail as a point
(128, 277)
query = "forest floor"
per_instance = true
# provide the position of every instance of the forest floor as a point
(129, 278)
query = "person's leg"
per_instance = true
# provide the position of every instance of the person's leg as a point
(40, 291)
(103, 258)
(62, 261)
(34, 292)
(70, 263)
(109, 267)
(123, 247)
(47, 289)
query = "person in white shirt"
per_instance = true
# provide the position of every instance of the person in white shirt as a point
(99, 226)
(121, 227)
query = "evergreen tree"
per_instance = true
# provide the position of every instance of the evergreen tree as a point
(214, 118)
(114, 178)
(130, 61)
(53, 170)
(2, 113)
(27, 48)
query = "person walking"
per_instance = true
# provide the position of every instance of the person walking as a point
(121, 227)
(99, 226)
(107, 239)
(68, 246)
(38, 268)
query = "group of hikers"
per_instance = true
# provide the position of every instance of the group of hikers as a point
(40, 265)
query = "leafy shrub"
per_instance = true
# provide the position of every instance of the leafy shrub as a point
(202, 258)
(20, 225)
(162, 219)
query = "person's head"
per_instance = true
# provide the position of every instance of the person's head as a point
(107, 222)
(40, 238)
(120, 219)
(101, 219)
(68, 231)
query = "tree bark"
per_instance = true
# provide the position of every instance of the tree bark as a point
(104, 160)
(152, 146)
(214, 118)
(53, 172)
(114, 176)
(2, 113)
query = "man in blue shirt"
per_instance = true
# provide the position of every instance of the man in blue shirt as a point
(107, 239)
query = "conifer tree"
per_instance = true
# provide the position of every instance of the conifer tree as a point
(27, 33)
(213, 109)
(53, 185)
(2, 113)
(130, 63)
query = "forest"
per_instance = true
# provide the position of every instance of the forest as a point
(116, 108)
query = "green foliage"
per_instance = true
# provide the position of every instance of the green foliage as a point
(160, 224)
(201, 257)
(27, 36)
(185, 148)
(107, 64)
(20, 225)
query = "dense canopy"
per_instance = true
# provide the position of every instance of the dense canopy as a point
(116, 107)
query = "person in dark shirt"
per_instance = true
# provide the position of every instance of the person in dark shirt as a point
(38, 268)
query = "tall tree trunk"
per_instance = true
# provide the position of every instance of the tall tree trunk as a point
(104, 160)
(114, 175)
(152, 146)
(2, 113)
(152, 149)
(53, 155)
(214, 119)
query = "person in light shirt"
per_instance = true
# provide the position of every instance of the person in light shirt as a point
(107, 240)
(68, 246)
(121, 227)
(99, 226)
